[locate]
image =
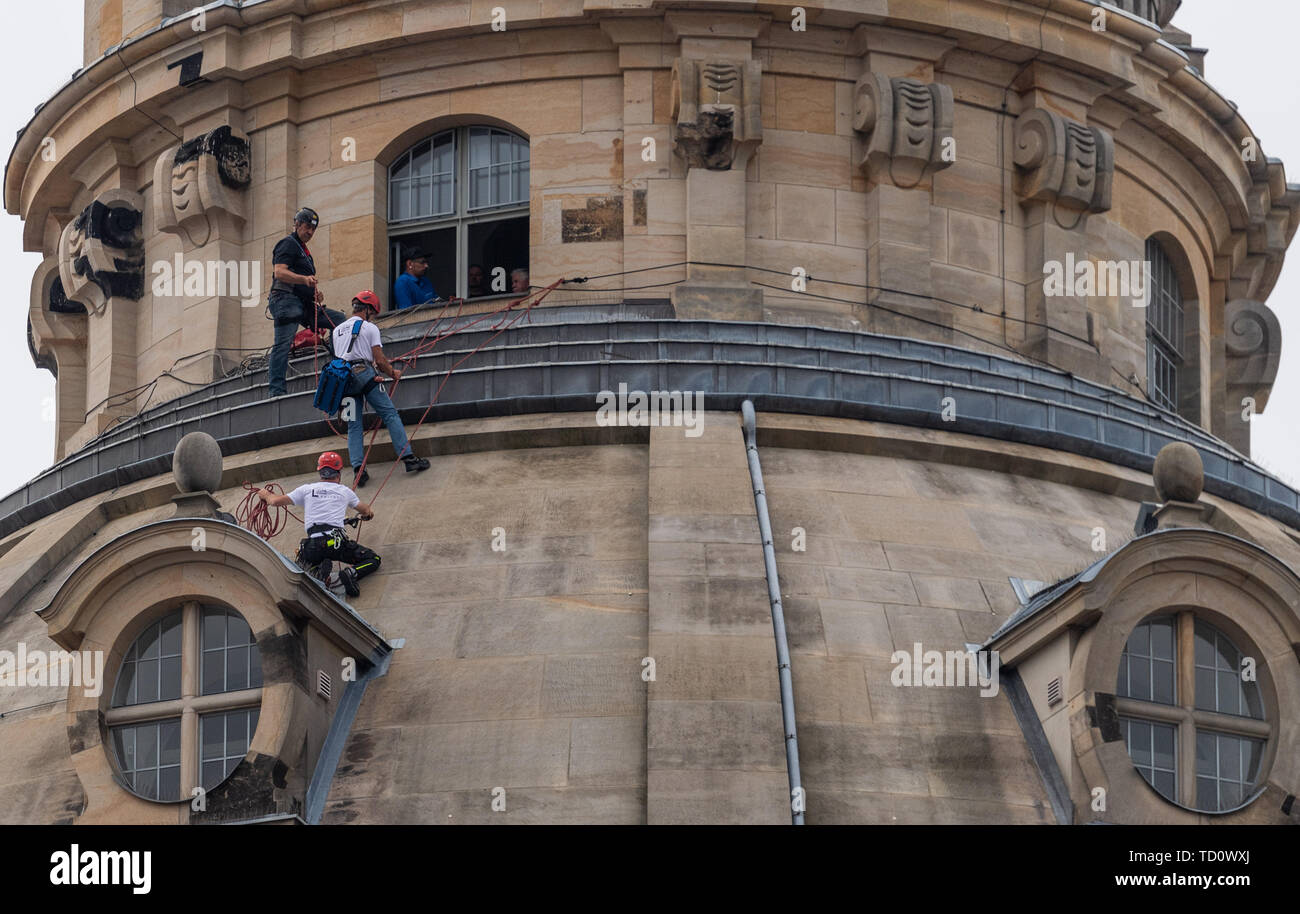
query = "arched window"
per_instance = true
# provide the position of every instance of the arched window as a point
(159, 695)
(1193, 720)
(461, 198)
(1165, 341)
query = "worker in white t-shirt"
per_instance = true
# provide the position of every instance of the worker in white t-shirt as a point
(357, 341)
(325, 506)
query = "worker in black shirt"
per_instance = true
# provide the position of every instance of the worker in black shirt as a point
(295, 298)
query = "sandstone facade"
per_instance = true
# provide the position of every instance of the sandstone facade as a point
(903, 169)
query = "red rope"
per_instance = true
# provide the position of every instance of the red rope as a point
(256, 515)
(420, 350)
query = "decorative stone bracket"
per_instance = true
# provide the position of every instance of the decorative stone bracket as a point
(1252, 342)
(906, 125)
(101, 252)
(716, 107)
(201, 182)
(1063, 161)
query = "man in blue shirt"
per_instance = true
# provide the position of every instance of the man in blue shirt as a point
(413, 286)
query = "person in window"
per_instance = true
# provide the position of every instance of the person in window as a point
(413, 287)
(363, 350)
(476, 278)
(325, 506)
(519, 280)
(295, 298)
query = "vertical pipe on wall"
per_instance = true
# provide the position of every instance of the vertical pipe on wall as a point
(778, 616)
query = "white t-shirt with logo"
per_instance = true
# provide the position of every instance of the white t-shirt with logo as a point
(324, 503)
(366, 340)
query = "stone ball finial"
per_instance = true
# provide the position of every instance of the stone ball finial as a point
(1178, 474)
(196, 463)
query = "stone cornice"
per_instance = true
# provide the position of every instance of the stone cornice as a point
(259, 37)
(1084, 599)
(171, 542)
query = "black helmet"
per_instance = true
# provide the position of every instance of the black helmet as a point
(307, 215)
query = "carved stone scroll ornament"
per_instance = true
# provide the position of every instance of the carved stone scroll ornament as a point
(716, 107)
(101, 252)
(199, 182)
(1252, 341)
(1063, 161)
(906, 127)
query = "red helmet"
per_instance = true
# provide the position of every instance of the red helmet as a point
(331, 461)
(367, 298)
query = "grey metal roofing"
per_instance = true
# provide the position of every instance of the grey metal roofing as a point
(560, 358)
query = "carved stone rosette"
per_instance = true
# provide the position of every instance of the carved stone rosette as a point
(101, 252)
(906, 127)
(199, 182)
(1063, 161)
(1252, 342)
(715, 106)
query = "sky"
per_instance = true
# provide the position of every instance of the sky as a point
(1250, 61)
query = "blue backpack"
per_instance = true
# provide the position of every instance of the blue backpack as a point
(334, 377)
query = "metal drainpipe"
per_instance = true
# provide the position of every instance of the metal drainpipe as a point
(778, 615)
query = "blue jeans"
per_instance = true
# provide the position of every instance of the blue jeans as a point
(383, 405)
(289, 314)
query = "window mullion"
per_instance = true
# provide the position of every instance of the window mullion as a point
(1185, 697)
(191, 668)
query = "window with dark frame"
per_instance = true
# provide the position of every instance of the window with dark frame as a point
(1164, 327)
(1195, 728)
(461, 197)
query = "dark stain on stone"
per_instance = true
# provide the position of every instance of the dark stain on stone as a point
(600, 220)
(638, 207)
(340, 813)
(84, 733)
(361, 747)
(708, 142)
(1105, 717)
(284, 659)
(249, 793)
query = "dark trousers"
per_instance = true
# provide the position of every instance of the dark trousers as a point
(289, 313)
(317, 550)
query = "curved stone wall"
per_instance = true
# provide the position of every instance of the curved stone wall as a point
(1043, 141)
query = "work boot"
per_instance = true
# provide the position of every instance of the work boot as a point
(415, 464)
(360, 479)
(349, 578)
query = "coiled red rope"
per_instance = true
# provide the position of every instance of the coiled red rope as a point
(257, 516)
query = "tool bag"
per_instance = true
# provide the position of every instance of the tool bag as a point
(334, 377)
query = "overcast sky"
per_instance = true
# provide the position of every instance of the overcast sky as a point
(1251, 61)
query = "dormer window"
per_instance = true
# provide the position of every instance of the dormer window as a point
(175, 725)
(1199, 745)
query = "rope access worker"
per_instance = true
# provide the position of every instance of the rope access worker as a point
(295, 297)
(357, 342)
(325, 506)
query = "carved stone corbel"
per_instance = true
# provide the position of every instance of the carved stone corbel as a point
(716, 108)
(57, 339)
(101, 252)
(1252, 342)
(200, 183)
(1063, 161)
(906, 127)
